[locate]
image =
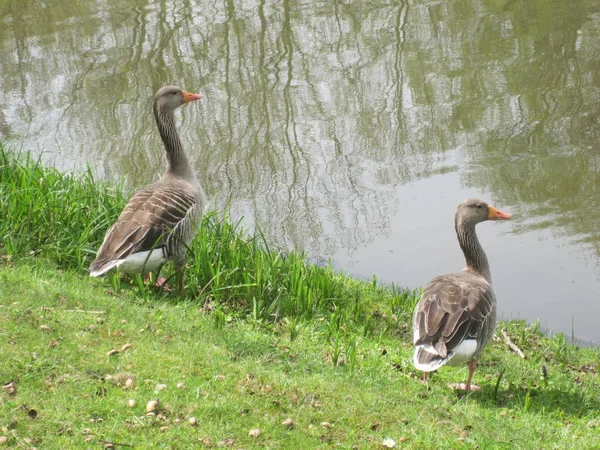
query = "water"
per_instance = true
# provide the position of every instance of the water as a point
(358, 126)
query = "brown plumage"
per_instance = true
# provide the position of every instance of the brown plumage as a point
(161, 219)
(456, 315)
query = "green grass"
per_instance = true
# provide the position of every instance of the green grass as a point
(260, 337)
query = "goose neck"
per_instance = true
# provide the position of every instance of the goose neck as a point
(177, 162)
(475, 257)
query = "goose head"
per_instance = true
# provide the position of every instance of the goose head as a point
(473, 211)
(169, 98)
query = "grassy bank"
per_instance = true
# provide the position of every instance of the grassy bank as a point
(263, 341)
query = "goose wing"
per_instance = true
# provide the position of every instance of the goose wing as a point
(144, 224)
(454, 309)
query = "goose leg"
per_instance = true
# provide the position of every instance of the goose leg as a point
(472, 366)
(467, 387)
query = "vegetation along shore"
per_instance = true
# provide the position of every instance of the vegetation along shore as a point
(264, 350)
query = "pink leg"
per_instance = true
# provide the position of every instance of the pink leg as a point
(472, 367)
(467, 387)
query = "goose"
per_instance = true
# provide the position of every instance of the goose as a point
(160, 220)
(456, 315)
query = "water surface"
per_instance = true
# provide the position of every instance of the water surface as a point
(350, 130)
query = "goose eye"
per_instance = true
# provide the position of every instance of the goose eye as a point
(174, 92)
(479, 206)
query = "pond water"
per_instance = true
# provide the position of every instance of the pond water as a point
(350, 130)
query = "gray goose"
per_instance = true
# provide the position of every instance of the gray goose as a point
(161, 219)
(456, 315)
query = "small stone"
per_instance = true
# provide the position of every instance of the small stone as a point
(129, 383)
(160, 387)
(123, 320)
(163, 428)
(3, 440)
(131, 403)
(326, 425)
(152, 405)
(45, 328)
(289, 423)
(193, 421)
(180, 385)
(220, 377)
(254, 433)
(151, 414)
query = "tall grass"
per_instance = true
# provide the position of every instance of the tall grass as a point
(47, 213)
(63, 217)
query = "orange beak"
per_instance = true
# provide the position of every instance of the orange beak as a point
(189, 97)
(495, 214)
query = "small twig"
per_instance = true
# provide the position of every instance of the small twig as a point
(108, 291)
(114, 443)
(511, 344)
(84, 311)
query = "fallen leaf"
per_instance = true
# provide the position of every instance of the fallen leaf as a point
(126, 347)
(10, 388)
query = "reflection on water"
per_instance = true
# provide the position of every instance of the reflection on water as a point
(336, 118)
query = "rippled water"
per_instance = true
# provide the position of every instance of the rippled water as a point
(348, 129)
